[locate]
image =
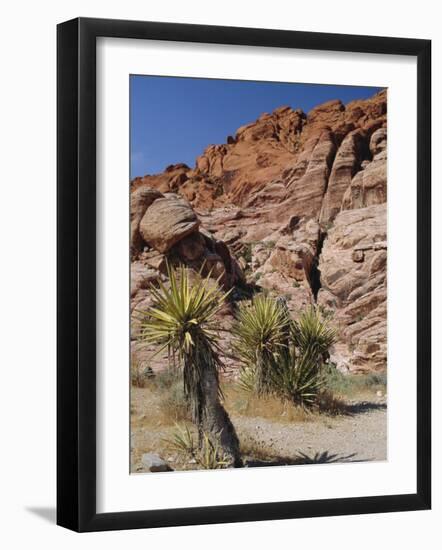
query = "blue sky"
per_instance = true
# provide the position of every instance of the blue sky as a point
(174, 119)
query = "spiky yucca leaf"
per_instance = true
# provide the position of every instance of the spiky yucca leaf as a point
(211, 456)
(181, 319)
(182, 441)
(247, 379)
(177, 310)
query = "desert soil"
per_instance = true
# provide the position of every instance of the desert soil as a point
(358, 436)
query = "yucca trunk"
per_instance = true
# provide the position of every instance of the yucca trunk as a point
(201, 386)
(216, 422)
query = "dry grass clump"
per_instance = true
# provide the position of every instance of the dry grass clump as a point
(159, 404)
(140, 374)
(330, 404)
(169, 389)
(243, 403)
(258, 449)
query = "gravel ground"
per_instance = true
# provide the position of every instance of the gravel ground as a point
(358, 437)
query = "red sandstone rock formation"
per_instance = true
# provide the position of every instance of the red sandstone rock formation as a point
(297, 202)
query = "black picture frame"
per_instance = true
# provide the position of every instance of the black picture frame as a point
(76, 274)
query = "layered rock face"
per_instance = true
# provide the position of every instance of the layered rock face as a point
(294, 203)
(353, 268)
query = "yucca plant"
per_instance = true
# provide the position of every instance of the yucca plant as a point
(208, 454)
(261, 335)
(292, 353)
(182, 320)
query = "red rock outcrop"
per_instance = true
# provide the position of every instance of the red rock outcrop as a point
(294, 203)
(353, 272)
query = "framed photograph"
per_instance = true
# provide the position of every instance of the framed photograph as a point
(243, 274)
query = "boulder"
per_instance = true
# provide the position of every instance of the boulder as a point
(140, 200)
(168, 220)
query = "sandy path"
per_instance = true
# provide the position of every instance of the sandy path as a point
(358, 437)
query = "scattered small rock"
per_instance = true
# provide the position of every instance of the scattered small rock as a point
(357, 256)
(154, 463)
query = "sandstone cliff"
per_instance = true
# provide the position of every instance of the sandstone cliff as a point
(294, 203)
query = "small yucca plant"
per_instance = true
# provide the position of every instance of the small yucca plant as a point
(261, 337)
(291, 352)
(207, 454)
(182, 320)
(181, 441)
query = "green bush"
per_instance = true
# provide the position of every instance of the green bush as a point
(351, 384)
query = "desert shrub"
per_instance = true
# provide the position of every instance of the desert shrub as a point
(330, 403)
(280, 356)
(173, 403)
(168, 388)
(165, 379)
(140, 374)
(351, 384)
(242, 291)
